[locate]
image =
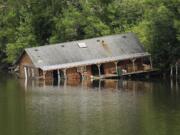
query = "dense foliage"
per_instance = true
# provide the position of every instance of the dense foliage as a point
(27, 23)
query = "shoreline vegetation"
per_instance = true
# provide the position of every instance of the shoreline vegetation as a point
(29, 23)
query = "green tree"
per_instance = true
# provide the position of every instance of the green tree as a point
(27, 23)
(24, 37)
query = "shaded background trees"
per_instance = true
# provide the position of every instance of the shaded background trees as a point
(27, 23)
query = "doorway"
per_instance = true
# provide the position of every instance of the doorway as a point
(102, 69)
(94, 70)
(55, 75)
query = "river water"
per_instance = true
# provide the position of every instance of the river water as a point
(111, 107)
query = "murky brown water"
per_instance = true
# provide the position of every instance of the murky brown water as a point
(112, 107)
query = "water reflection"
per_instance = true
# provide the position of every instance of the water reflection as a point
(118, 107)
(125, 85)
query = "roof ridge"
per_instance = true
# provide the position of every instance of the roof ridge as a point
(68, 42)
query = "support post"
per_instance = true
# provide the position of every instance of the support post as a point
(25, 73)
(116, 66)
(133, 62)
(59, 77)
(32, 71)
(99, 69)
(29, 72)
(44, 75)
(82, 72)
(65, 74)
(58, 74)
(151, 64)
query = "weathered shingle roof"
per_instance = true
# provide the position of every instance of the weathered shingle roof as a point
(101, 49)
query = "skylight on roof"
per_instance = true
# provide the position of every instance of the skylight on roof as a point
(82, 45)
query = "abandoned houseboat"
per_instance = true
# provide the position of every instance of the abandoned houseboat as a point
(113, 55)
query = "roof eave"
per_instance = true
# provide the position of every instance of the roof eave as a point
(86, 63)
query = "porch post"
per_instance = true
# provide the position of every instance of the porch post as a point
(29, 72)
(32, 70)
(82, 72)
(133, 66)
(133, 62)
(25, 73)
(58, 74)
(65, 74)
(44, 75)
(116, 66)
(99, 69)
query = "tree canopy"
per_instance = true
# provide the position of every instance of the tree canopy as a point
(28, 23)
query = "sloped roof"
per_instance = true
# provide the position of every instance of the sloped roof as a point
(95, 50)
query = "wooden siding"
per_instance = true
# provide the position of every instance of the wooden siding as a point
(72, 73)
(49, 75)
(109, 68)
(25, 60)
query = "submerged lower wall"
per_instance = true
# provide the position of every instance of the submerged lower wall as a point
(72, 73)
(25, 60)
(126, 66)
(109, 68)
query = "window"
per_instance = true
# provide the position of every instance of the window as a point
(82, 45)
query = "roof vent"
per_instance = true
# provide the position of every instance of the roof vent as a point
(62, 45)
(82, 45)
(98, 40)
(36, 50)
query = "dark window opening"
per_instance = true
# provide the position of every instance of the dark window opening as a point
(94, 69)
(61, 74)
(102, 69)
(146, 60)
(55, 75)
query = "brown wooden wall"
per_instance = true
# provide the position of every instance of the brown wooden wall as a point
(88, 72)
(128, 66)
(25, 60)
(72, 73)
(109, 68)
(49, 75)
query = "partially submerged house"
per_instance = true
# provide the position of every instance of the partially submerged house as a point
(101, 56)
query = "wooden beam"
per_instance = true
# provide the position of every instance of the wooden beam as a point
(59, 77)
(65, 73)
(133, 62)
(116, 66)
(99, 69)
(83, 69)
(32, 71)
(25, 73)
(44, 75)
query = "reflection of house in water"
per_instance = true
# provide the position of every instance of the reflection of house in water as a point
(103, 56)
(106, 84)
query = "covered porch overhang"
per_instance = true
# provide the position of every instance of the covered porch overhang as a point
(95, 61)
(98, 62)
